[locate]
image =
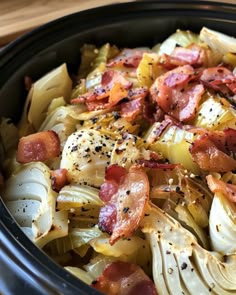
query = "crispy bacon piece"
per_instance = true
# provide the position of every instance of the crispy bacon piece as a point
(107, 218)
(113, 86)
(132, 108)
(129, 58)
(97, 94)
(128, 193)
(224, 140)
(175, 96)
(220, 79)
(59, 179)
(151, 112)
(227, 189)
(98, 99)
(39, 146)
(117, 93)
(209, 157)
(114, 176)
(193, 55)
(110, 77)
(124, 278)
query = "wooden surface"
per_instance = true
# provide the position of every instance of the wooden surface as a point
(19, 16)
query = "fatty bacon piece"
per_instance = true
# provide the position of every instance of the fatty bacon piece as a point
(220, 79)
(126, 195)
(129, 58)
(114, 88)
(40, 146)
(175, 95)
(102, 98)
(212, 150)
(135, 105)
(193, 55)
(217, 185)
(58, 179)
(124, 278)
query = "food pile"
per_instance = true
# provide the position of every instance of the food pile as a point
(124, 173)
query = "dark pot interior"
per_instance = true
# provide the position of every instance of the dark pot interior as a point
(133, 24)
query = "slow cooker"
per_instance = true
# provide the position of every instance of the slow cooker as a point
(25, 269)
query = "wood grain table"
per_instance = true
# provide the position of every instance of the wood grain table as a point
(19, 16)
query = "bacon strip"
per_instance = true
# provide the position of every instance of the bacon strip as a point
(124, 278)
(129, 58)
(175, 96)
(131, 109)
(209, 157)
(192, 55)
(220, 79)
(110, 77)
(127, 193)
(39, 146)
(59, 179)
(227, 189)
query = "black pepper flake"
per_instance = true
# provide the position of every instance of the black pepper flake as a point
(116, 115)
(184, 266)
(94, 120)
(74, 148)
(125, 209)
(127, 192)
(98, 148)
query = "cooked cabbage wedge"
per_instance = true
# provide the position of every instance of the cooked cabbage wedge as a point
(63, 121)
(98, 65)
(148, 69)
(215, 113)
(222, 225)
(75, 196)
(126, 151)
(85, 156)
(135, 250)
(32, 202)
(218, 41)
(76, 238)
(180, 265)
(185, 197)
(179, 38)
(174, 143)
(53, 85)
(97, 264)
